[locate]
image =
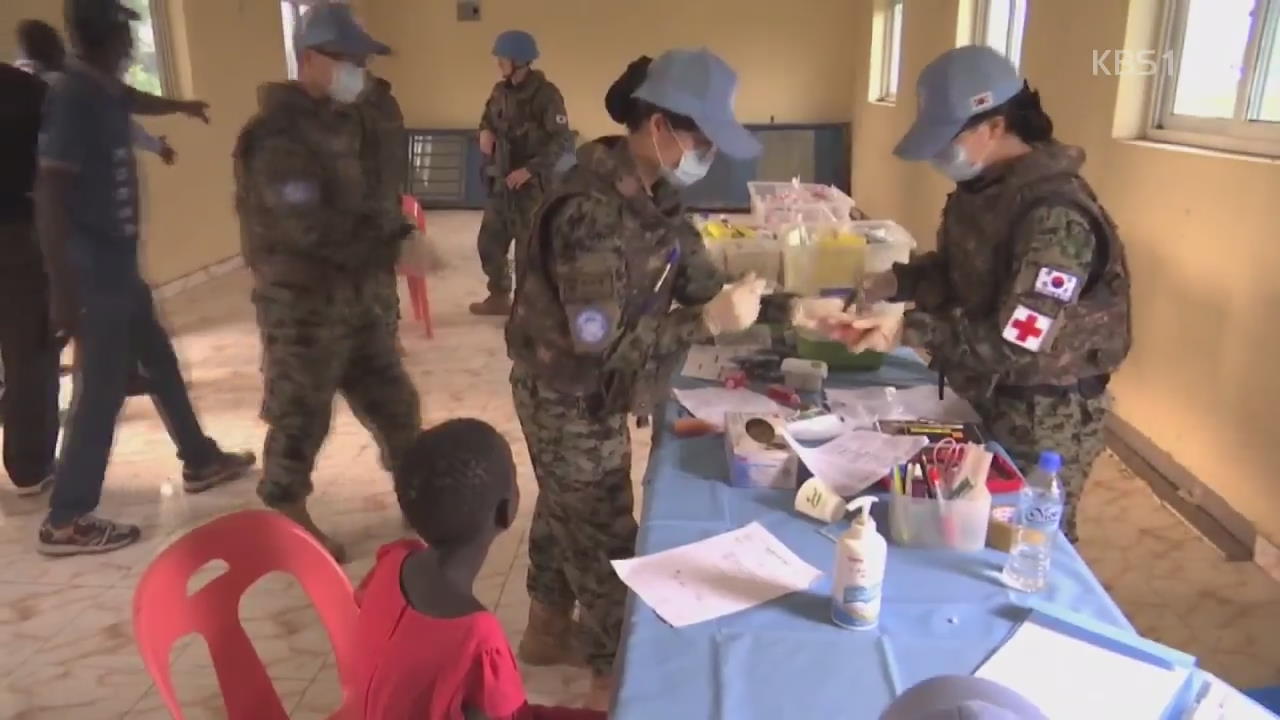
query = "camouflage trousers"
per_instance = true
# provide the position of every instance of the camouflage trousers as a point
(314, 348)
(507, 216)
(583, 516)
(387, 299)
(1070, 425)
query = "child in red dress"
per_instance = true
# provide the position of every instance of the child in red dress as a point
(429, 650)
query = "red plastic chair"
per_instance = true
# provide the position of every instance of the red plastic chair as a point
(252, 543)
(417, 284)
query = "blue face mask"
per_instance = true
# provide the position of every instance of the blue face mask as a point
(693, 166)
(954, 162)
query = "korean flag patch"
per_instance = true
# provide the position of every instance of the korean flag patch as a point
(1027, 328)
(1057, 284)
(591, 326)
(982, 101)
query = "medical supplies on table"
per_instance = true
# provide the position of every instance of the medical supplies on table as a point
(774, 203)
(758, 456)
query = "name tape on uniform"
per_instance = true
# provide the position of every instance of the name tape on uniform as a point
(1057, 284)
(1027, 328)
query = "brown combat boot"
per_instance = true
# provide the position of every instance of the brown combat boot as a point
(494, 305)
(600, 697)
(297, 512)
(548, 638)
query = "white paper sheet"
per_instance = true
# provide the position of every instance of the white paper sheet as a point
(1219, 701)
(707, 362)
(1070, 678)
(712, 403)
(863, 406)
(716, 577)
(854, 460)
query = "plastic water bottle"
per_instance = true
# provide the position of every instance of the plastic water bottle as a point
(1039, 512)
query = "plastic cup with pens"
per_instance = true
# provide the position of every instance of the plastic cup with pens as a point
(932, 506)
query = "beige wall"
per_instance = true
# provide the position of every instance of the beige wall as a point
(794, 66)
(225, 49)
(1201, 236)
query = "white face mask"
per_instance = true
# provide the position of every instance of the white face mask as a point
(692, 167)
(347, 83)
(954, 162)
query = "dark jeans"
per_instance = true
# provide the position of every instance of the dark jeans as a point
(30, 357)
(118, 330)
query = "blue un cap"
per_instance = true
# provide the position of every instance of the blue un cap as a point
(959, 84)
(961, 698)
(700, 86)
(517, 46)
(331, 27)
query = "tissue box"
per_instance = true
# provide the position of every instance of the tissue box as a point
(760, 461)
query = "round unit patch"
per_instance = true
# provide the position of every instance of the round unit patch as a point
(591, 326)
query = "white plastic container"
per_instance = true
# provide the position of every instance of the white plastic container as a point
(859, 573)
(959, 524)
(774, 203)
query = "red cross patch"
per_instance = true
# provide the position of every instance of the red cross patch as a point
(1027, 328)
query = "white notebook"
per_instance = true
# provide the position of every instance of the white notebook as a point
(1069, 678)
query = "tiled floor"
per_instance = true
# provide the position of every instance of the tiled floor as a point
(66, 648)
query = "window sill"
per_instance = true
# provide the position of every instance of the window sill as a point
(1152, 144)
(884, 102)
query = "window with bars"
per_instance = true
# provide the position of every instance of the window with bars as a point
(1217, 84)
(889, 46)
(151, 70)
(1000, 24)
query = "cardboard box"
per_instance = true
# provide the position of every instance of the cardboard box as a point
(758, 456)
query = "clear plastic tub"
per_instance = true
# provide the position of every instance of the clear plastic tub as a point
(949, 525)
(887, 243)
(760, 254)
(777, 203)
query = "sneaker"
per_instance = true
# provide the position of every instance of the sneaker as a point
(492, 306)
(225, 468)
(33, 490)
(87, 534)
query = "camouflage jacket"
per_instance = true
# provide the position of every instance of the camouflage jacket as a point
(596, 279)
(384, 156)
(1029, 285)
(301, 192)
(531, 125)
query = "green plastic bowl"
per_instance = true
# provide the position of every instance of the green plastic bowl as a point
(837, 356)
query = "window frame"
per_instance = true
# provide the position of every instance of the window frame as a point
(1013, 37)
(158, 11)
(1238, 133)
(891, 41)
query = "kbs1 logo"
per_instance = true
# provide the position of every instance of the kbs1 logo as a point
(1112, 63)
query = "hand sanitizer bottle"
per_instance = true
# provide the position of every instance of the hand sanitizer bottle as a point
(859, 573)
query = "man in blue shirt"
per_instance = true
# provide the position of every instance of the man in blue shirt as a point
(87, 221)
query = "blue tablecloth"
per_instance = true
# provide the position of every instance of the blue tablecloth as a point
(943, 612)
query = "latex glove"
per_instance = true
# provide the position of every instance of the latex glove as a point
(487, 142)
(879, 287)
(736, 307)
(878, 332)
(817, 313)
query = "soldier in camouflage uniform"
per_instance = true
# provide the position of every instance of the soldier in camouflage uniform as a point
(1024, 307)
(593, 315)
(320, 253)
(524, 133)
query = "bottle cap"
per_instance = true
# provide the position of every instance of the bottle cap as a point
(1050, 462)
